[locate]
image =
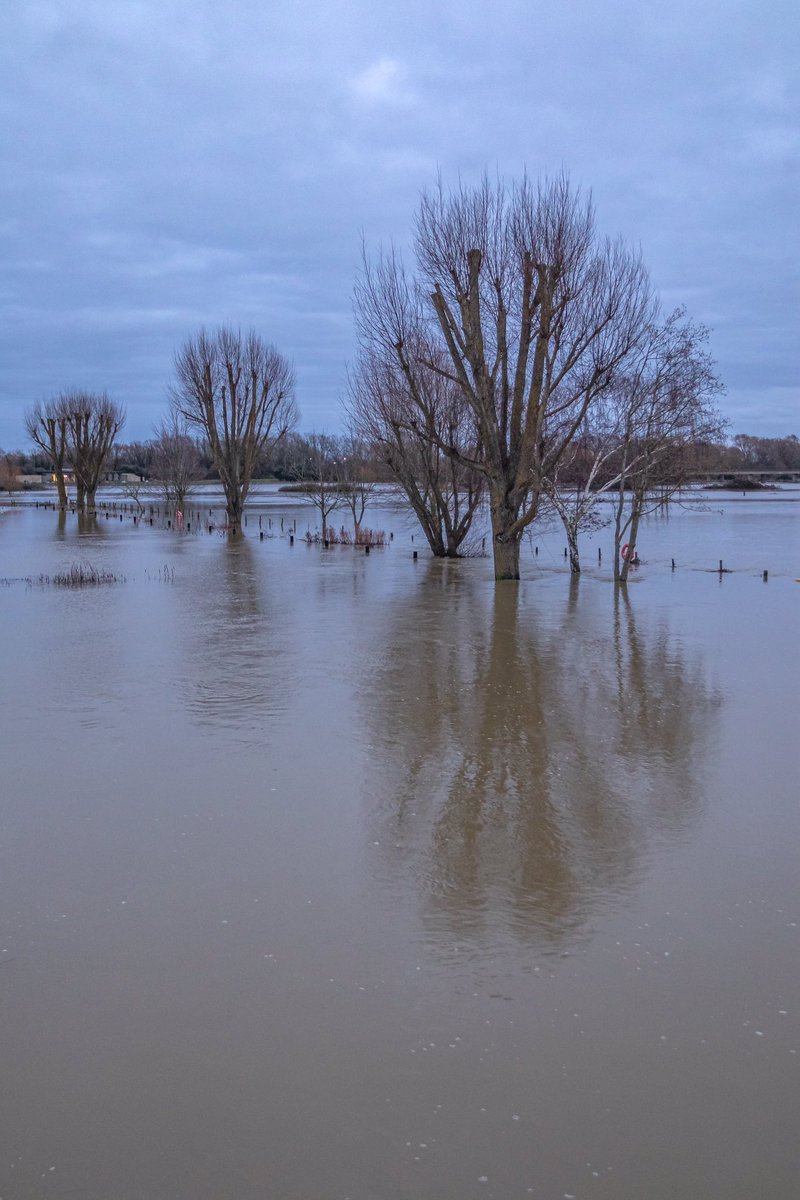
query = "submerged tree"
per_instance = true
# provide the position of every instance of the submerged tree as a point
(176, 462)
(638, 441)
(320, 475)
(46, 426)
(533, 315)
(406, 428)
(9, 474)
(238, 390)
(404, 405)
(357, 480)
(93, 422)
(667, 407)
(78, 428)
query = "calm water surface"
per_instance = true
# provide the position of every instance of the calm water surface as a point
(326, 876)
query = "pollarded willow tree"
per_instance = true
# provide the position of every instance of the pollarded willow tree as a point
(238, 390)
(46, 426)
(80, 428)
(93, 422)
(534, 314)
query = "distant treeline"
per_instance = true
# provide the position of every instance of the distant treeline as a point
(294, 458)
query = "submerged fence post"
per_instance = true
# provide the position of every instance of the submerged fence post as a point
(765, 576)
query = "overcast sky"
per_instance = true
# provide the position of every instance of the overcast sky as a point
(171, 163)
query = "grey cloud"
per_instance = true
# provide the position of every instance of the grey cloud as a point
(164, 165)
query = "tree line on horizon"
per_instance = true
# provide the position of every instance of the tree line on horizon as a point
(520, 362)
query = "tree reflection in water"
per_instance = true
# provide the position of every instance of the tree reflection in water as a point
(534, 759)
(235, 664)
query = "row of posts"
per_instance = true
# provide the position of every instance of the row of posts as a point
(155, 511)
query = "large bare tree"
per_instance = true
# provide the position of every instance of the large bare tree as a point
(93, 422)
(238, 390)
(46, 426)
(534, 314)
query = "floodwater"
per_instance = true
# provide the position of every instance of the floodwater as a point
(329, 876)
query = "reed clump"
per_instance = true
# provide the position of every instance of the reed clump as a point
(79, 575)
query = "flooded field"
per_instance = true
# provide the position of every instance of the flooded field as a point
(327, 876)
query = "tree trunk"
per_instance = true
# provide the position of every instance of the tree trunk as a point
(505, 545)
(80, 496)
(506, 559)
(574, 557)
(632, 535)
(233, 505)
(619, 526)
(61, 488)
(90, 503)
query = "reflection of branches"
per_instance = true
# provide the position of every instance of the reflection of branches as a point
(537, 762)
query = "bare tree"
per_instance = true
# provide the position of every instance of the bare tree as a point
(635, 439)
(9, 474)
(357, 480)
(534, 314)
(132, 488)
(667, 406)
(406, 428)
(176, 462)
(93, 422)
(320, 475)
(402, 403)
(46, 426)
(591, 467)
(239, 392)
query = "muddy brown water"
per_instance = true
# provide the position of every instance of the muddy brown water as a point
(326, 876)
